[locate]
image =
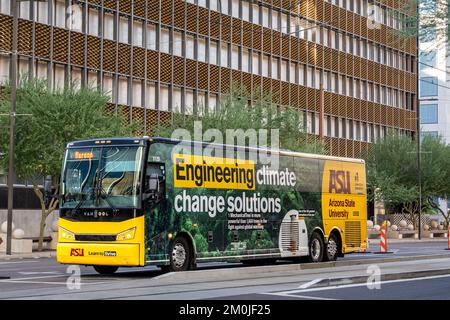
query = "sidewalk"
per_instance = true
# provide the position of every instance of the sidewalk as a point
(34, 255)
(377, 241)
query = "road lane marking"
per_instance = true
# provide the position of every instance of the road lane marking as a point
(39, 272)
(283, 294)
(48, 282)
(309, 284)
(292, 293)
(16, 262)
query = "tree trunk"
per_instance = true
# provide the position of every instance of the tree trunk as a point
(45, 212)
(42, 230)
(436, 206)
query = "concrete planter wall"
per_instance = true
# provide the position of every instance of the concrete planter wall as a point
(29, 221)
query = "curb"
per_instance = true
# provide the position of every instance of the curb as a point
(241, 273)
(396, 241)
(21, 256)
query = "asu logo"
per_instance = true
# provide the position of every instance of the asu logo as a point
(77, 252)
(340, 182)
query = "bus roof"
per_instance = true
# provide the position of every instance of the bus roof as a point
(145, 139)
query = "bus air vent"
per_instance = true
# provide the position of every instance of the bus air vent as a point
(95, 237)
(289, 235)
(353, 233)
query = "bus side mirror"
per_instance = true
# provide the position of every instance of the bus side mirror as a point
(153, 188)
(153, 183)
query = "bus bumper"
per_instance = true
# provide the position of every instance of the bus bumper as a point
(98, 254)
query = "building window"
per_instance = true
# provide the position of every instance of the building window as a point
(108, 28)
(42, 12)
(265, 65)
(59, 73)
(164, 44)
(255, 63)
(190, 44)
(178, 43)
(123, 30)
(151, 37)
(4, 68)
(176, 100)
(137, 93)
(224, 6)
(213, 45)
(427, 60)
(235, 57)
(212, 102)
(201, 49)
(235, 8)
(246, 10)
(5, 6)
(123, 91)
(284, 70)
(275, 74)
(433, 134)
(137, 33)
(427, 33)
(24, 10)
(245, 60)
(275, 19)
(428, 86)
(292, 71)
(265, 17)
(108, 85)
(189, 101)
(59, 14)
(92, 79)
(41, 70)
(93, 22)
(150, 96)
(428, 113)
(255, 13)
(164, 98)
(301, 74)
(224, 55)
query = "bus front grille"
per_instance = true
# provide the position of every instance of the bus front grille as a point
(353, 233)
(289, 236)
(95, 237)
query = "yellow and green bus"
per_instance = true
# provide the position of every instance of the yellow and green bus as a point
(128, 202)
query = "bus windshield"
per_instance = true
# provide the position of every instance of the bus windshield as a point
(102, 177)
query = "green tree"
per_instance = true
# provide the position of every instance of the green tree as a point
(235, 113)
(430, 23)
(436, 170)
(392, 171)
(54, 119)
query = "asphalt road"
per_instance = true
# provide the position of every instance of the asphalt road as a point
(44, 279)
(424, 288)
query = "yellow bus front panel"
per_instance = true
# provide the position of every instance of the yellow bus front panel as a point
(101, 243)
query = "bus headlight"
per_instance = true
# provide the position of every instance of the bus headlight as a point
(126, 235)
(66, 234)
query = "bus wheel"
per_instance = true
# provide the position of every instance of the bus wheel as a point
(331, 252)
(316, 248)
(180, 255)
(106, 269)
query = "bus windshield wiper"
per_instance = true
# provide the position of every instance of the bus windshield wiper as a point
(102, 194)
(79, 204)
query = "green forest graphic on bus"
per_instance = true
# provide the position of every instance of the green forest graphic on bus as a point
(231, 206)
